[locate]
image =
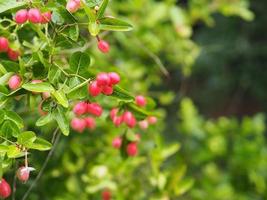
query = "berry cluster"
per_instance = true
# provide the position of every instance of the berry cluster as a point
(103, 84)
(73, 5)
(4, 47)
(80, 123)
(131, 147)
(32, 15)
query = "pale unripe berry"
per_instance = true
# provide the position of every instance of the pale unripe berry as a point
(106, 195)
(80, 108)
(94, 89)
(94, 109)
(21, 16)
(107, 90)
(103, 46)
(23, 174)
(46, 95)
(90, 123)
(13, 54)
(117, 142)
(34, 15)
(114, 78)
(78, 124)
(102, 79)
(132, 149)
(14, 82)
(46, 17)
(72, 6)
(143, 124)
(5, 189)
(3, 44)
(113, 112)
(36, 81)
(152, 120)
(140, 100)
(129, 119)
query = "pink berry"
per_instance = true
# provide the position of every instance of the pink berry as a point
(80, 108)
(132, 149)
(94, 109)
(21, 16)
(46, 95)
(117, 142)
(46, 17)
(113, 112)
(72, 6)
(14, 82)
(152, 120)
(90, 123)
(5, 189)
(143, 124)
(78, 124)
(34, 15)
(140, 100)
(129, 119)
(103, 46)
(114, 78)
(3, 44)
(117, 121)
(94, 89)
(102, 79)
(12, 54)
(78, 2)
(106, 195)
(23, 174)
(107, 90)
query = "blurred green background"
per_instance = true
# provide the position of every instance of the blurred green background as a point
(203, 61)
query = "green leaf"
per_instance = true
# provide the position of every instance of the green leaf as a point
(3, 90)
(13, 116)
(10, 4)
(2, 116)
(4, 79)
(102, 9)
(138, 112)
(38, 87)
(62, 121)
(44, 120)
(61, 98)
(14, 152)
(92, 3)
(183, 186)
(74, 32)
(54, 75)
(10, 66)
(26, 138)
(3, 149)
(113, 24)
(122, 94)
(40, 144)
(79, 62)
(131, 136)
(10, 128)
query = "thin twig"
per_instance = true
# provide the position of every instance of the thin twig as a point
(14, 185)
(55, 140)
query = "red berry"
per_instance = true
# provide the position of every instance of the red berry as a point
(5, 189)
(90, 122)
(94, 109)
(114, 78)
(94, 89)
(12, 54)
(102, 79)
(129, 119)
(14, 82)
(46, 17)
(143, 124)
(3, 44)
(34, 15)
(152, 120)
(113, 112)
(117, 120)
(117, 142)
(140, 100)
(78, 2)
(72, 6)
(106, 195)
(23, 174)
(21, 16)
(132, 149)
(103, 46)
(78, 124)
(107, 90)
(80, 108)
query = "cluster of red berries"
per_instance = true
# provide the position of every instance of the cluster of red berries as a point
(79, 124)
(103, 84)
(131, 147)
(73, 5)
(32, 15)
(127, 117)
(4, 47)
